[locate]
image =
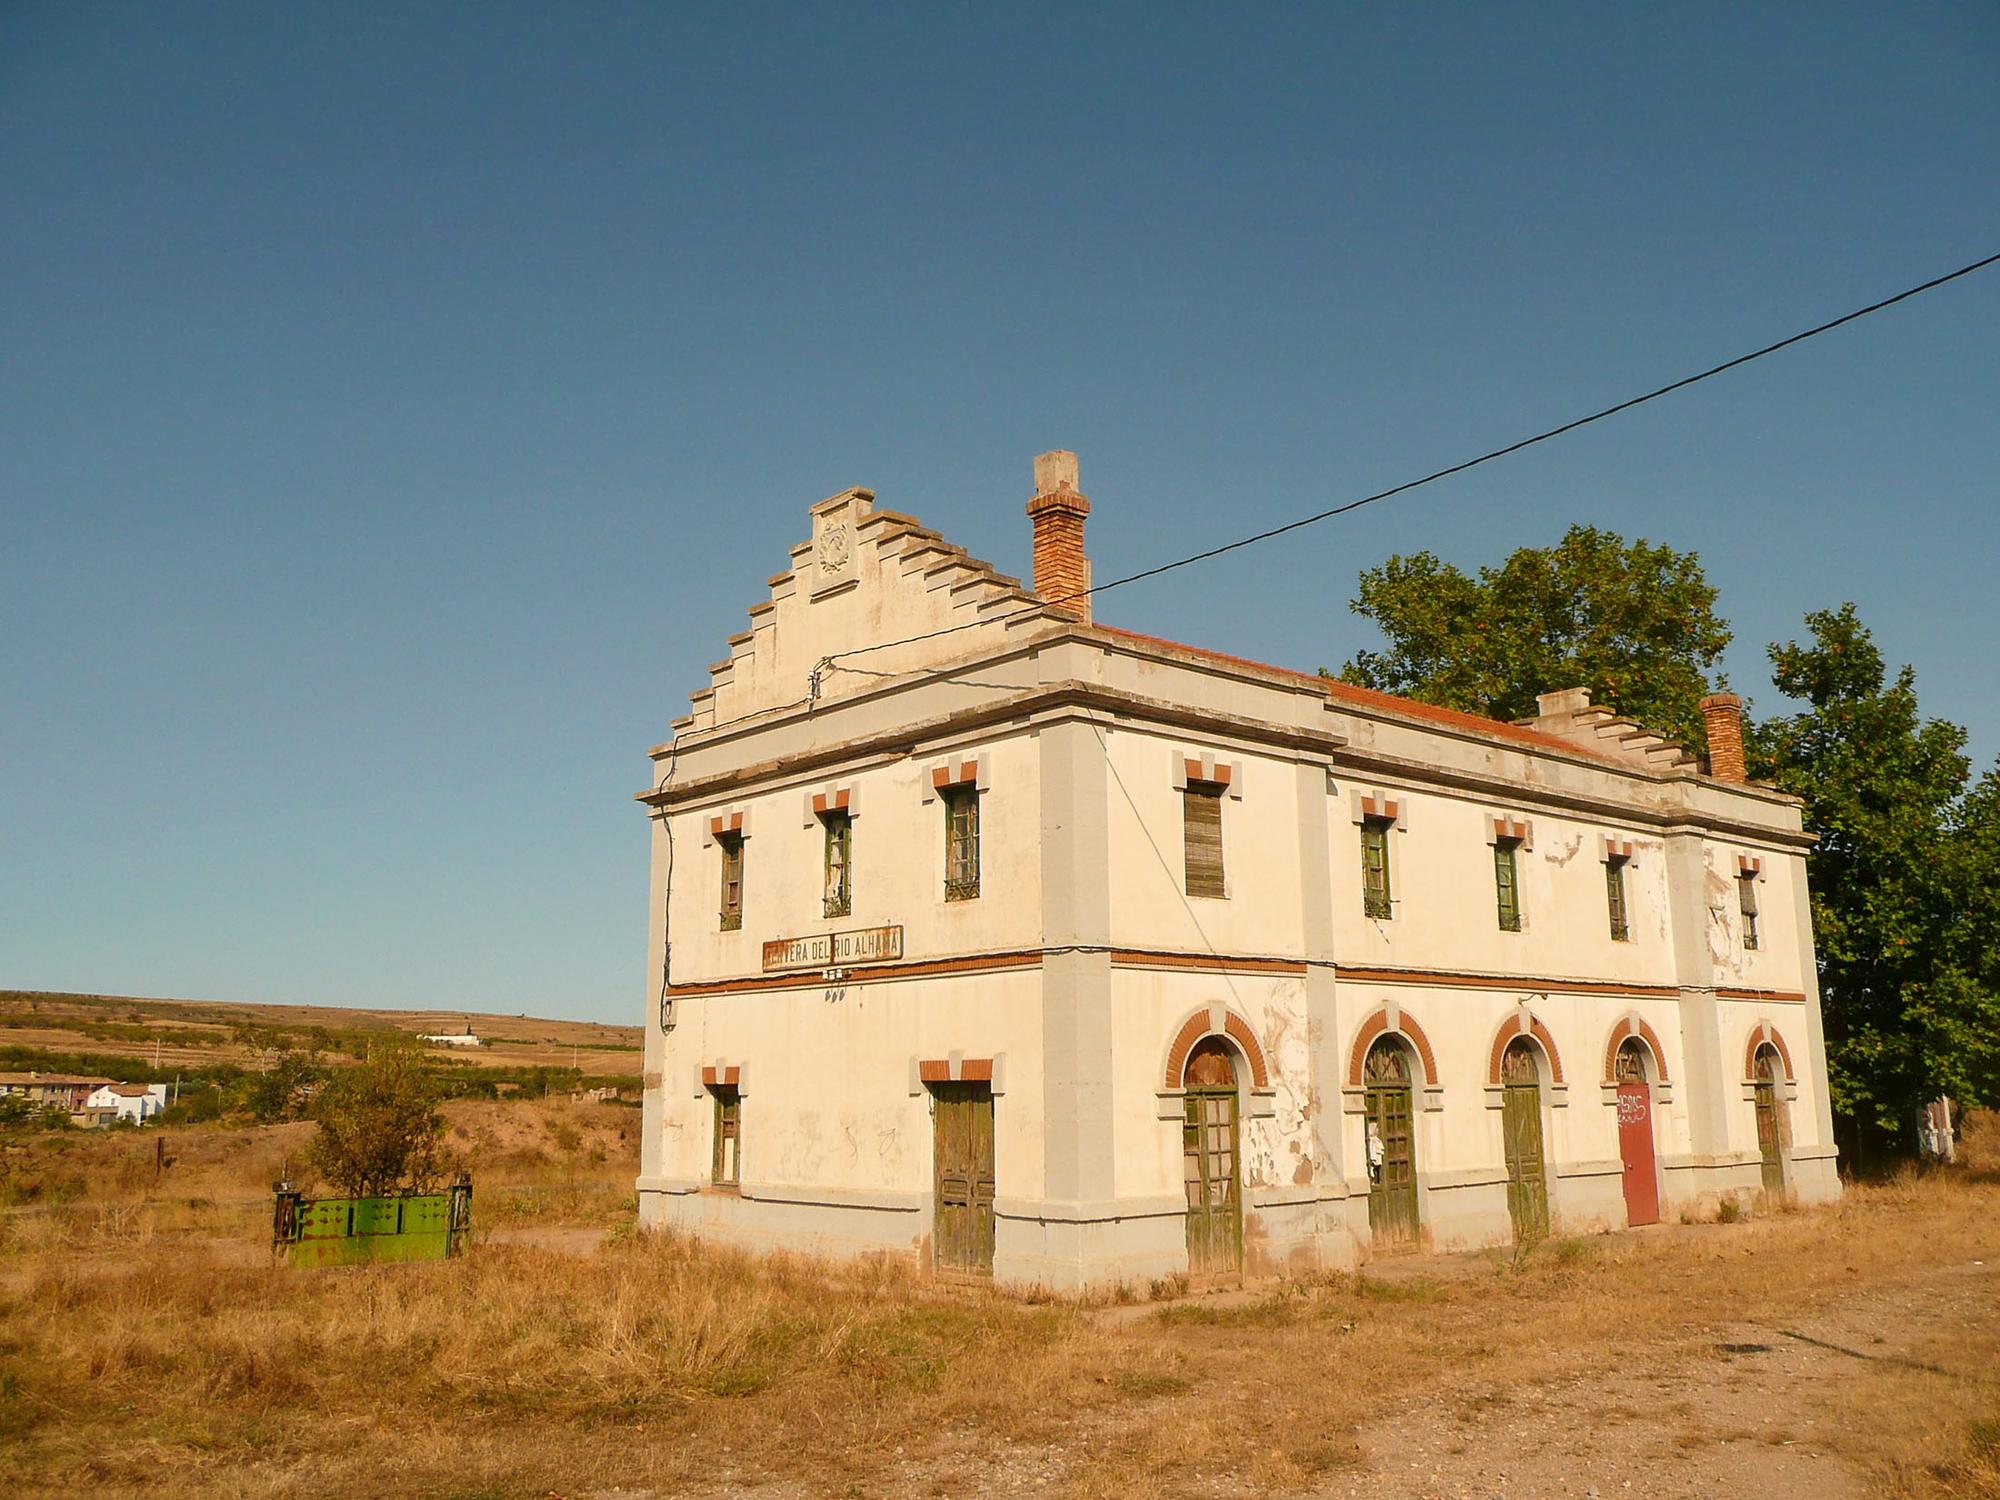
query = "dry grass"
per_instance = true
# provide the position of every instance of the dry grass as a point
(129, 1357)
(1979, 1144)
(542, 1161)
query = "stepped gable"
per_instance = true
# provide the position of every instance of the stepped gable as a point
(864, 576)
(1569, 715)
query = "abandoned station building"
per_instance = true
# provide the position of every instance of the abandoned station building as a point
(1029, 946)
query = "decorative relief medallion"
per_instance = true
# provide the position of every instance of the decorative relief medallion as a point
(834, 549)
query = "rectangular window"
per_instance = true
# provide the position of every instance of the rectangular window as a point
(1614, 899)
(839, 863)
(1201, 807)
(728, 1166)
(1746, 902)
(1375, 900)
(731, 845)
(961, 841)
(1507, 883)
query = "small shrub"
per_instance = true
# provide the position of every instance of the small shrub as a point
(379, 1126)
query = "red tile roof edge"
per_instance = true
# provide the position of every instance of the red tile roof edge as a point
(1363, 697)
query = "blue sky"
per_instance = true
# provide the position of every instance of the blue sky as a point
(398, 406)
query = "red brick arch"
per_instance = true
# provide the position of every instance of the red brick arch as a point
(1511, 1028)
(1199, 1025)
(1632, 1026)
(1407, 1028)
(1761, 1033)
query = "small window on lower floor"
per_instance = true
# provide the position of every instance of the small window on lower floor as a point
(727, 1168)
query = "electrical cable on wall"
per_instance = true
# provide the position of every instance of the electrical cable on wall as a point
(667, 1004)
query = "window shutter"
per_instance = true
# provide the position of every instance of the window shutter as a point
(1506, 881)
(1614, 895)
(1375, 900)
(1202, 804)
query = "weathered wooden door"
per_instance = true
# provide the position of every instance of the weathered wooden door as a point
(1770, 1128)
(1391, 1145)
(962, 1155)
(1210, 1160)
(1521, 1128)
(1635, 1142)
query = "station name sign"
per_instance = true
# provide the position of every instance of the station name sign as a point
(832, 950)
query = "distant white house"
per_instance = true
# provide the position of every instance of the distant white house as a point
(137, 1102)
(463, 1038)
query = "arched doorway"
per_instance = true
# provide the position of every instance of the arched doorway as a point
(1521, 1131)
(1767, 1071)
(1635, 1133)
(1391, 1143)
(1209, 1148)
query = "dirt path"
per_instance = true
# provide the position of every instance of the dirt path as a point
(1771, 1408)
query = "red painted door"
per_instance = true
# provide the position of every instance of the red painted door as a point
(1635, 1145)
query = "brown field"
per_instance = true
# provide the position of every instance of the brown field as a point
(557, 1161)
(147, 1346)
(190, 1033)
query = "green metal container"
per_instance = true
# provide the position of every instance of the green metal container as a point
(364, 1231)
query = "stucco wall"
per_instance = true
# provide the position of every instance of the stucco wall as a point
(1082, 737)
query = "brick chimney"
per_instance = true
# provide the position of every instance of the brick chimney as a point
(1722, 717)
(1058, 509)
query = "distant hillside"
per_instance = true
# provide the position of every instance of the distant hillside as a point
(203, 1033)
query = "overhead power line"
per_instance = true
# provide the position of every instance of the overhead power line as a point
(1445, 473)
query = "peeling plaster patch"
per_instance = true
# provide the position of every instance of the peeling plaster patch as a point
(1721, 939)
(1289, 1056)
(1303, 1172)
(1564, 853)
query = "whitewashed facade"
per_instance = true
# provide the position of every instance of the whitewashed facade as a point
(1135, 1045)
(137, 1102)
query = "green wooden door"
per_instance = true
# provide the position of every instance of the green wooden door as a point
(1391, 1146)
(1214, 1186)
(1521, 1129)
(1770, 1132)
(962, 1158)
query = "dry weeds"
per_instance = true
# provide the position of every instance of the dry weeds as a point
(131, 1356)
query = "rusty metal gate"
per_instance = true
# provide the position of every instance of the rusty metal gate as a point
(1635, 1138)
(1521, 1127)
(1770, 1125)
(1391, 1145)
(962, 1158)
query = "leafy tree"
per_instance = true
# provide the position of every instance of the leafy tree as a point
(20, 1113)
(1904, 892)
(379, 1127)
(1634, 623)
(285, 1090)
